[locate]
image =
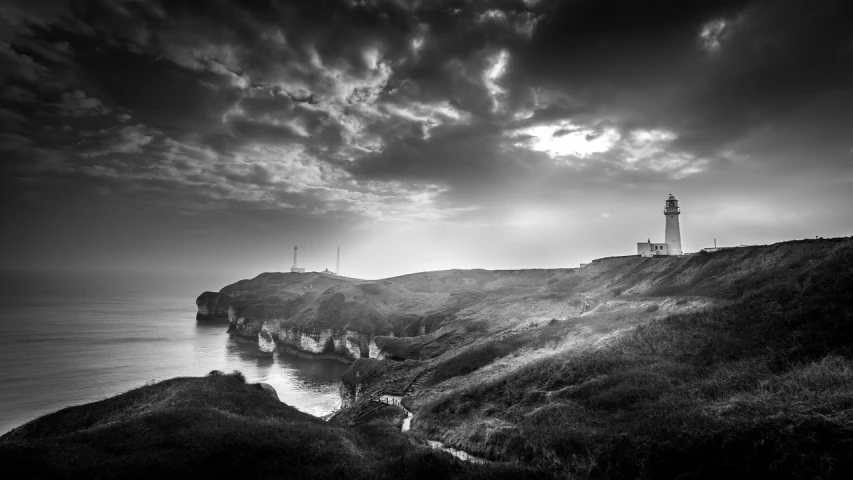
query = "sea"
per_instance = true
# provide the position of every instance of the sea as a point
(69, 339)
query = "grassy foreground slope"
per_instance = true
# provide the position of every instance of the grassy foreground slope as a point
(217, 427)
(758, 386)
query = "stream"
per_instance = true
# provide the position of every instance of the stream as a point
(397, 400)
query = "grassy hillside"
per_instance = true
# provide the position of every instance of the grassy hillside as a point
(217, 427)
(278, 287)
(456, 302)
(760, 385)
(737, 363)
(712, 365)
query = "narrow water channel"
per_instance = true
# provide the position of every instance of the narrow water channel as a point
(407, 425)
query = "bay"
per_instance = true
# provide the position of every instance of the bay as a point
(74, 345)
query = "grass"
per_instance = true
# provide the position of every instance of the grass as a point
(400, 348)
(479, 356)
(217, 426)
(761, 388)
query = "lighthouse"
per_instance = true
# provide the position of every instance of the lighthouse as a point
(672, 236)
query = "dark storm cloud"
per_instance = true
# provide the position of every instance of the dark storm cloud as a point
(648, 62)
(16, 65)
(361, 105)
(774, 62)
(158, 91)
(459, 154)
(76, 104)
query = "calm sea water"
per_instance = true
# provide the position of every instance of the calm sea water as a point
(73, 346)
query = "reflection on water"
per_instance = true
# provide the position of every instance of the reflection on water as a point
(311, 385)
(315, 371)
(265, 361)
(60, 352)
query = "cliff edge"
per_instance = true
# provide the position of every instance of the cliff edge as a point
(425, 314)
(737, 363)
(212, 306)
(217, 426)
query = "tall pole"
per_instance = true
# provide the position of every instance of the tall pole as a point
(294, 255)
(338, 266)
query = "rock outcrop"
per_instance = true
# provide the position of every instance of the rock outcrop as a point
(266, 342)
(212, 306)
(269, 389)
(344, 345)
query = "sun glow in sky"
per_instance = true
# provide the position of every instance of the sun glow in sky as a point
(567, 139)
(711, 34)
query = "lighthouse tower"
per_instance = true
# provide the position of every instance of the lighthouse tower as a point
(672, 236)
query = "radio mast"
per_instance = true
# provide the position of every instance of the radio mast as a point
(294, 268)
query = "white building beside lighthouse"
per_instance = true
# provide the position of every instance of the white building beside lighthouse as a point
(672, 234)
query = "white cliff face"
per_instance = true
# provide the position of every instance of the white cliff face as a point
(237, 323)
(244, 324)
(353, 342)
(266, 343)
(236, 320)
(306, 341)
(347, 344)
(375, 351)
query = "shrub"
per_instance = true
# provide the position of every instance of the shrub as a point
(237, 374)
(215, 373)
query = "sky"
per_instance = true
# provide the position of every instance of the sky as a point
(210, 137)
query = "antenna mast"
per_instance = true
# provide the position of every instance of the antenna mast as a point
(294, 268)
